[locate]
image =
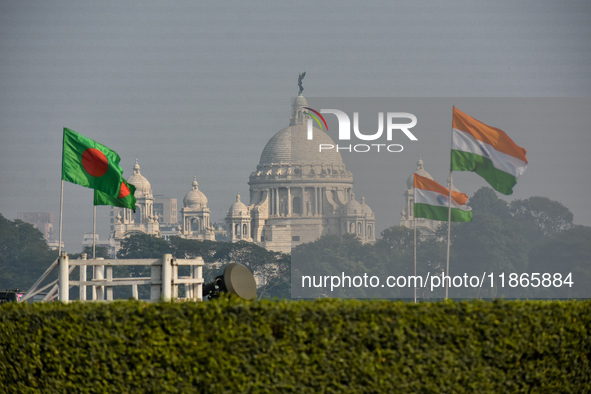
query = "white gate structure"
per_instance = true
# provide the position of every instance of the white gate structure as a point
(164, 279)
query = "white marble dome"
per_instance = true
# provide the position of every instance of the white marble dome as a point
(366, 208)
(195, 198)
(291, 146)
(353, 208)
(143, 188)
(238, 208)
(300, 101)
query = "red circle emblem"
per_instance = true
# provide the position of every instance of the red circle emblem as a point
(94, 162)
(124, 192)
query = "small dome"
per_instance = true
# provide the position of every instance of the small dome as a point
(353, 208)
(410, 182)
(366, 209)
(300, 101)
(238, 208)
(195, 198)
(142, 186)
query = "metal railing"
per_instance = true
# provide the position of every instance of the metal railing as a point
(164, 279)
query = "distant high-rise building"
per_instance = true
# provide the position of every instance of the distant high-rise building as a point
(44, 222)
(165, 208)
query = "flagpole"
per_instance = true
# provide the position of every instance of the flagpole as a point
(450, 185)
(414, 220)
(94, 232)
(59, 247)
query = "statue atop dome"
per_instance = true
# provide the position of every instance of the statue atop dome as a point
(300, 78)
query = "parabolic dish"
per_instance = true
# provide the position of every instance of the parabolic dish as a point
(240, 281)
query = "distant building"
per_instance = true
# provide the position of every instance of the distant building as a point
(195, 216)
(87, 241)
(298, 194)
(159, 215)
(44, 222)
(124, 222)
(165, 208)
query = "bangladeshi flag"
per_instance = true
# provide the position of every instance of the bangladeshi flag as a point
(126, 198)
(90, 164)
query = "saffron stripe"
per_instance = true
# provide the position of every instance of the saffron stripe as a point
(466, 142)
(436, 199)
(489, 135)
(425, 183)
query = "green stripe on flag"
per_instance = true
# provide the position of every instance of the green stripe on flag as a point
(483, 166)
(441, 212)
(128, 201)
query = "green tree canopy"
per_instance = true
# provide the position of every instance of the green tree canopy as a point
(271, 269)
(143, 246)
(24, 254)
(100, 252)
(542, 214)
(566, 252)
(486, 200)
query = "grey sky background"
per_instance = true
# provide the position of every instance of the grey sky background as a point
(198, 88)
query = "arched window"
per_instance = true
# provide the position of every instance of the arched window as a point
(236, 230)
(195, 225)
(369, 231)
(352, 228)
(359, 228)
(245, 230)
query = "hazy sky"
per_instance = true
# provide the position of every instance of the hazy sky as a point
(197, 88)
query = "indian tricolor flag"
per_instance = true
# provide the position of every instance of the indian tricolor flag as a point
(431, 202)
(487, 151)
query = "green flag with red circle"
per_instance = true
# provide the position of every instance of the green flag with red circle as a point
(90, 164)
(126, 198)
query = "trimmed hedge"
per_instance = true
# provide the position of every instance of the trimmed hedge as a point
(229, 345)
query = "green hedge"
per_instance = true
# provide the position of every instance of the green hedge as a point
(228, 345)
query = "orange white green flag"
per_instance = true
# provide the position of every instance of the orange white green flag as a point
(487, 151)
(431, 202)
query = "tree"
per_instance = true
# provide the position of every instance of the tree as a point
(24, 254)
(336, 259)
(271, 269)
(568, 252)
(485, 200)
(542, 214)
(99, 251)
(397, 238)
(488, 244)
(143, 246)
